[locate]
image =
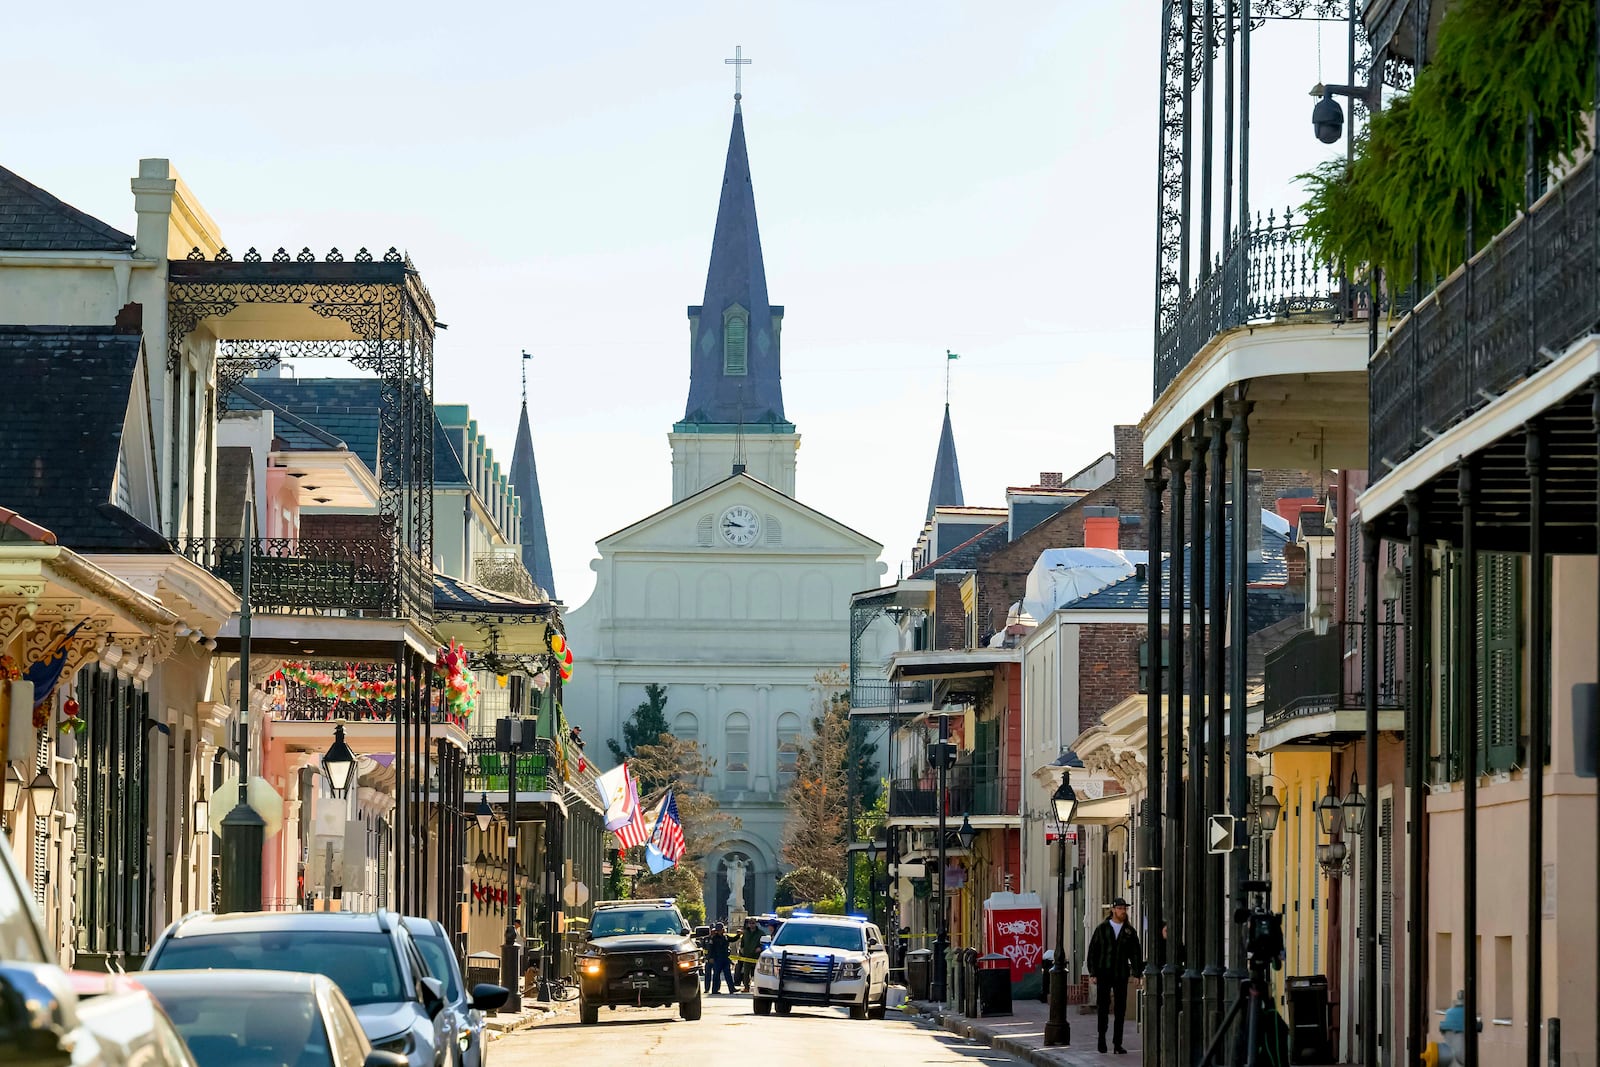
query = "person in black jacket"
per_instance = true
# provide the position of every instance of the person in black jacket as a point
(1115, 956)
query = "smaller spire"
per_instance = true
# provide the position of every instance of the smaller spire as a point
(946, 488)
(525, 480)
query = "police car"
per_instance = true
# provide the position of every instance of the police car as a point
(824, 960)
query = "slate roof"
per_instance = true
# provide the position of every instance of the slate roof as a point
(1272, 571)
(737, 274)
(945, 491)
(319, 414)
(447, 467)
(61, 432)
(455, 595)
(965, 556)
(525, 480)
(31, 220)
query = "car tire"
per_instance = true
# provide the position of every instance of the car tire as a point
(689, 1010)
(783, 1008)
(588, 1014)
(859, 1011)
(763, 1005)
(881, 1009)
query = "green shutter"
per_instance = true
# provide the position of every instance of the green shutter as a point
(1452, 658)
(734, 351)
(1500, 668)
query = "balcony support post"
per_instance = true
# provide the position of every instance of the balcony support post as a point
(1216, 674)
(1186, 139)
(1198, 908)
(1538, 710)
(1207, 132)
(1150, 856)
(1369, 837)
(1174, 1034)
(1467, 711)
(428, 909)
(1227, 126)
(1238, 641)
(402, 828)
(1418, 616)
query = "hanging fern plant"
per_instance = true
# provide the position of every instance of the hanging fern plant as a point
(1459, 136)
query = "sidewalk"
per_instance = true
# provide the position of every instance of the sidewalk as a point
(1021, 1034)
(533, 1013)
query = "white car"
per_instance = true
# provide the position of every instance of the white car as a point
(824, 960)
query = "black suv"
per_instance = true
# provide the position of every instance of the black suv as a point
(640, 953)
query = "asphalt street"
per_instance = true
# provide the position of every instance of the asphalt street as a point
(729, 1034)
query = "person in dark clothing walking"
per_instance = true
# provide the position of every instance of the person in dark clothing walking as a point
(721, 962)
(1115, 957)
(749, 952)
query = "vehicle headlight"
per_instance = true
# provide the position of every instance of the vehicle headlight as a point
(592, 966)
(850, 970)
(766, 965)
(405, 1043)
(688, 961)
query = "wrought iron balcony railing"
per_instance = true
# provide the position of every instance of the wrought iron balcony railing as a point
(320, 576)
(971, 790)
(1536, 287)
(489, 771)
(1313, 673)
(1267, 275)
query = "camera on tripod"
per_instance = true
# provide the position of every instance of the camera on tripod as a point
(1263, 929)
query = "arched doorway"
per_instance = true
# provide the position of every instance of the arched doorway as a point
(736, 869)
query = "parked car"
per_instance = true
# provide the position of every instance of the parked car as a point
(38, 1009)
(369, 955)
(466, 1012)
(824, 960)
(132, 1029)
(640, 952)
(240, 1018)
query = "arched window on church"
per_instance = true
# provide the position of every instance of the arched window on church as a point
(685, 727)
(735, 359)
(788, 747)
(737, 751)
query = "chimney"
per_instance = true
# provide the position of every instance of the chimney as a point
(1252, 517)
(130, 320)
(1141, 571)
(1049, 479)
(1102, 531)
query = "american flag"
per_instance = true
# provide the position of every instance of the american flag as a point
(668, 835)
(633, 832)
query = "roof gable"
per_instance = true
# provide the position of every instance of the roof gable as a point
(735, 488)
(324, 413)
(31, 220)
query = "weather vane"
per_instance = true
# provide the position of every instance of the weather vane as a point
(738, 63)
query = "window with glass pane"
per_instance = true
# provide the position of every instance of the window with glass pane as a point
(685, 727)
(788, 746)
(738, 751)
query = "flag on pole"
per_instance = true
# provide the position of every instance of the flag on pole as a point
(634, 831)
(668, 834)
(613, 786)
(950, 355)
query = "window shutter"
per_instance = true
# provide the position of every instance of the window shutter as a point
(1500, 671)
(734, 350)
(1451, 656)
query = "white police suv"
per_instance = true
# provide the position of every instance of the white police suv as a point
(824, 960)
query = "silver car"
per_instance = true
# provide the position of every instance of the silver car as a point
(465, 1010)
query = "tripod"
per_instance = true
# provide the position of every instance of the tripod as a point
(1255, 1002)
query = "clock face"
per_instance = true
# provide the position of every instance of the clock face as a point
(740, 525)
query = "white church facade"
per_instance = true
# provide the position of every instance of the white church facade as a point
(736, 596)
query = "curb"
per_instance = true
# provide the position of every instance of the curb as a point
(964, 1027)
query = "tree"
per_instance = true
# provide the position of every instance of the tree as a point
(644, 727)
(871, 877)
(807, 885)
(616, 875)
(678, 764)
(814, 833)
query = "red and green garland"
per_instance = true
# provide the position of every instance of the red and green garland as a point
(346, 687)
(456, 683)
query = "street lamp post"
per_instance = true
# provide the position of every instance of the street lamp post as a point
(244, 831)
(1057, 1031)
(338, 762)
(512, 736)
(942, 754)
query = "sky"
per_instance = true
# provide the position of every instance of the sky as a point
(929, 176)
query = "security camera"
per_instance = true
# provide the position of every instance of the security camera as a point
(1327, 119)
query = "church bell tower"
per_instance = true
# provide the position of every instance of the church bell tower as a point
(734, 417)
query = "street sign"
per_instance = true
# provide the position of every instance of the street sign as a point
(1219, 835)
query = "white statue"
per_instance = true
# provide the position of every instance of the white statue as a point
(736, 869)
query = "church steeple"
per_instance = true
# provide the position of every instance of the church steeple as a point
(525, 480)
(734, 372)
(946, 488)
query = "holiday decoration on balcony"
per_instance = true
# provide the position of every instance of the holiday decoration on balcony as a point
(343, 687)
(454, 677)
(563, 655)
(70, 721)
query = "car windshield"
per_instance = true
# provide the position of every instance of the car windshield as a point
(611, 922)
(362, 965)
(441, 963)
(245, 1026)
(819, 935)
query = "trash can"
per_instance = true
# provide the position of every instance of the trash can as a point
(483, 968)
(919, 973)
(994, 985)
(1310, 1039)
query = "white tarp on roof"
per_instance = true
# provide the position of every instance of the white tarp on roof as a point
(1062, 575)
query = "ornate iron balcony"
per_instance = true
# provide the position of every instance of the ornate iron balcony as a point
(320, 576)
(1534, 288)
(972, 791)
(1312, 673)
(1267, 275)
(489, 771)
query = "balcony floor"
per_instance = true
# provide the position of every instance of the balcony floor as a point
(1326, 729)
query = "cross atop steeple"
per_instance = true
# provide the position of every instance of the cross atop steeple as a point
(738, 63)
(526, 355)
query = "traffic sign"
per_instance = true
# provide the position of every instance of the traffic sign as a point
(1219, 835)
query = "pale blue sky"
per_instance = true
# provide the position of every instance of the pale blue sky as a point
(929, 175)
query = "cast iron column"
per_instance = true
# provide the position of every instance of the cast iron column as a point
(1198, 908)
(941, 944)
(244, 831)
(1466, 702)
(510, 952)
(1151, 857)
(1370, 831)
(1238, 641)
(1175, 1032)
(1538, 708)
(1419, 670)
(397, 876)
(1216, 653)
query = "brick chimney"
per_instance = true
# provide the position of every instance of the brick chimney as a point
(1102, 531)
(1049, 479)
